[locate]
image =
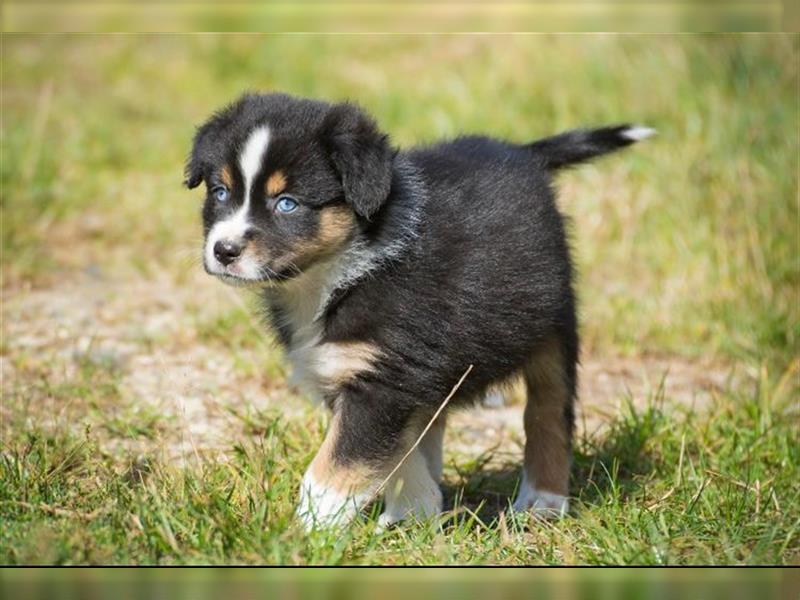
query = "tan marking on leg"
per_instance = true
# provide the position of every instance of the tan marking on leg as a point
(547, 443)
(338, 362)
(226, 177)
(332, 493)
(345, 479)
(354, 478)
(275, 184)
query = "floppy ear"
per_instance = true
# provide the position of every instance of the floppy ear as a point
(193, 175)
(361, 154)
(195, 167)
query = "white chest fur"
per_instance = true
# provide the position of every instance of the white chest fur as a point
(302, 303)
(301, 300)
(317, 367)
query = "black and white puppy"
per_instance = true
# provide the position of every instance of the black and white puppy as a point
(387, 273)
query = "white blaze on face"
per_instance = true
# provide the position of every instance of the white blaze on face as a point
(251, 158)
(233, 228)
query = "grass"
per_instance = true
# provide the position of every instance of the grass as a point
(656, 488)
(687, 249)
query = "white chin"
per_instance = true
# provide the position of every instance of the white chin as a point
(236, 280)
(233, 280)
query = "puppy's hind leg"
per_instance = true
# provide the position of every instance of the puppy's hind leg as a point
(413, 490)
(495, 397)
(431, 447)
(550, 382)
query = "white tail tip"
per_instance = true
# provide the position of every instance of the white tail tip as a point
(637, 133)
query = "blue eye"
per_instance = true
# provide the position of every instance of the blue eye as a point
(220, 193)
(286, 204)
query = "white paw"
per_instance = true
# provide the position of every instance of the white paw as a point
(324, 507)
(422, 507)
(539, 502)
(411, 492)
(385, 521)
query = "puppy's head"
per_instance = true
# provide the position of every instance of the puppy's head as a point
(287, 183)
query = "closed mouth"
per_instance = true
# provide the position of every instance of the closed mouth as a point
(238, 280)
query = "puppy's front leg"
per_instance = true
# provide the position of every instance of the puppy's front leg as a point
(364, 445)
(335, 486)
(411, 491)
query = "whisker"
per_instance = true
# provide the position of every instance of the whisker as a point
(295, 269)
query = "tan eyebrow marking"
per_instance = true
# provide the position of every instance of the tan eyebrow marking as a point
(226, 176)
(276, 183)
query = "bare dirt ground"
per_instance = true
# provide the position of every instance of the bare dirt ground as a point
(149, 333)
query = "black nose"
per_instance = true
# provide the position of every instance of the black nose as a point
(226, 251)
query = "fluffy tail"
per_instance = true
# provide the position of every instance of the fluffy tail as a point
(580, 145)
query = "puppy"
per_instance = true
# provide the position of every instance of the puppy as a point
(387, 273)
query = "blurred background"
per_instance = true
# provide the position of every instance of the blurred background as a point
(686, 244)
(397, 16)
(447, 584)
